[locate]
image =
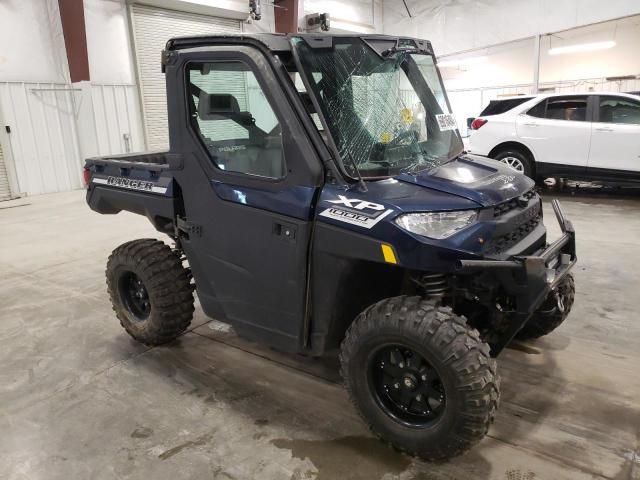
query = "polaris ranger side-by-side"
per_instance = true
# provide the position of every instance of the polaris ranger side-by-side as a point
(319, 200)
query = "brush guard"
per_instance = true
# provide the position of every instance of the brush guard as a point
(530, 279)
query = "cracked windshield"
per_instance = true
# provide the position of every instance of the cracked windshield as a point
(387, 113)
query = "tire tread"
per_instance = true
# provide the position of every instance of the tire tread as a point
(169, 288)
(461, 348)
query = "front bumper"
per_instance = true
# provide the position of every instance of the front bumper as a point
(530, 278)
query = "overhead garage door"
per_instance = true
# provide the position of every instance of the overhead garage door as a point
(5, 193)
(152, 27)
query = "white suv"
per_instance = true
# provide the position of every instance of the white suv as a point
(594, 136)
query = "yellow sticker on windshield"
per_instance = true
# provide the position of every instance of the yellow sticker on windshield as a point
(385, 137)
(407, 115)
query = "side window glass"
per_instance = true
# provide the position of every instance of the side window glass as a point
(234, 119)
(567, 108)
(538, 110)
(619, 110)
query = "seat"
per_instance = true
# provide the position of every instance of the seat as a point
(254, 152)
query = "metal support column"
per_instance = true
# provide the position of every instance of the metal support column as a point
(286, 16)
(536, 64)
(75, 39)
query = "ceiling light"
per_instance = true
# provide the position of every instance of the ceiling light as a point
(583, 47)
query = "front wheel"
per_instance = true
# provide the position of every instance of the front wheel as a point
(420, 377)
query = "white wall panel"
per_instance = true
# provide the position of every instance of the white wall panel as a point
(116, 119)
(362, 16)
(508, 64)
(622, 59)
(32, 42)
(42, 136)
(44, 139)
(108, 42)
(5, 189)
(508, 69)
(461, 25)
(152, 28)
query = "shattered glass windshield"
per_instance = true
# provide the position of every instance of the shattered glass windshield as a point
(386, 114)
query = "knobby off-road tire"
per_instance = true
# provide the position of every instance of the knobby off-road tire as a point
(453, 350)
(150, 291)
(549, 317)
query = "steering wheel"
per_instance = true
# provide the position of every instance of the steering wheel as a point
(402, 136)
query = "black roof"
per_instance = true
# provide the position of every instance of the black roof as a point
(273, 41)
(280, 42)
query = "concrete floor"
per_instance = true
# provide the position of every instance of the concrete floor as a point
(80, 400)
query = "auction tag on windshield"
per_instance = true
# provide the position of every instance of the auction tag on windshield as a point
(446, 121)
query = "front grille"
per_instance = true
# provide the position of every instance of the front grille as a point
(505, 242)
(512, 204)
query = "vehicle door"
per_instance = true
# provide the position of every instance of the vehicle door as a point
(615, 141)
(558, 131)
(250, 178)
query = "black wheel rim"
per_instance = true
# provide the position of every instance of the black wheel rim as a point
(134, 296)
(406, 386)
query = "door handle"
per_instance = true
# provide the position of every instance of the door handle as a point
(531, 124)
(285, 231)
(604, 129)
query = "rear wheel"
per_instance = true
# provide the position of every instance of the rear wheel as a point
(516, 160)
(420, 377)
(150, 291)
(552, 313)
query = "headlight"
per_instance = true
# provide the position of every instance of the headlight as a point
(437, 225)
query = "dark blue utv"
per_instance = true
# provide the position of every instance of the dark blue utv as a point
(319, 200)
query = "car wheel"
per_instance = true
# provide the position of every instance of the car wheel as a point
(516, 160)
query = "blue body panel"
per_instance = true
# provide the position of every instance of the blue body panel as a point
(373, 213)
(295, 201)
(484, 181)
(466, 183)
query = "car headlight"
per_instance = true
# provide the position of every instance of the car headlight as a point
(437, 225)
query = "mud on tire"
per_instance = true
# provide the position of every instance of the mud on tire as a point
(549, 317)
(150, 291)
(467, 373)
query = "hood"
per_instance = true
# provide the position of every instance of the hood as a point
(479, 179)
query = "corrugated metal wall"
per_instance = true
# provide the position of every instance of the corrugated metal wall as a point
(152, 27)
(5, 190)
(117, 119)
(42, 136)
(44, 139)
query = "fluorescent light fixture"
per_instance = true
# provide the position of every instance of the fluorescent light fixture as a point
(461, 62)
(582, 47)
